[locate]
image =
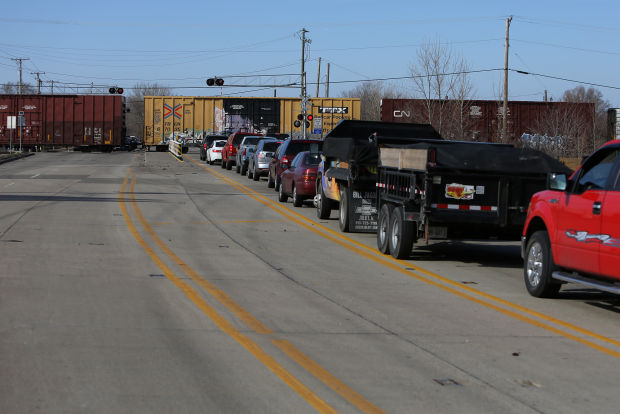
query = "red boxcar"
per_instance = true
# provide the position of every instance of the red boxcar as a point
(482, 120)
(83, 121)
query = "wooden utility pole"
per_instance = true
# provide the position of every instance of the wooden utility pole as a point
(38, 81)
(327, 82)
(20, 60)
(318, 78)
(505, 109)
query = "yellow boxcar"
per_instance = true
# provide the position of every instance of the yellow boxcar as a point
(202, 115)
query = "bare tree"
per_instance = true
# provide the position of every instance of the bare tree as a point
(371, 94)
(12, 88)
(592, 95)
(440, 79)
(135, 104)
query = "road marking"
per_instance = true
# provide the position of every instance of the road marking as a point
(431, 277)
(253, 323)
(253, 221)
(35, 176)
(220, 321)
(321, 373)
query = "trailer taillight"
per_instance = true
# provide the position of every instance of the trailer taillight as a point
(432, 156)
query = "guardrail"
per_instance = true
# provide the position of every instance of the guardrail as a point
(175, 149)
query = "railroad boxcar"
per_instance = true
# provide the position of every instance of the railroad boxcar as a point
(202, 115)
(481, 120)
(52, 121)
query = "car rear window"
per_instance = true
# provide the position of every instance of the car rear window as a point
(251, 140)
(312, 159)
(220, 144)
(296, 147)
(271, 146)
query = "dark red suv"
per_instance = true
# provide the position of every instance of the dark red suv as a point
(285, 154)
(229, 151)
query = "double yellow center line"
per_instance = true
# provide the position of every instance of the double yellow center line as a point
(285, 346)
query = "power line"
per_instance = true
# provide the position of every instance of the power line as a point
(600, 85)
(580, 49)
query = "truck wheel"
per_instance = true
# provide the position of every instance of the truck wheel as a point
(401, 235)
(223, 163)
(269, 180)
(323, 205)
(281, 196)
(343, 211)
(383, 228)
(229, 165)
(538, 267)
(297, 201)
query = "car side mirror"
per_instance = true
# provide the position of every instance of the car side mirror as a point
(557, 182)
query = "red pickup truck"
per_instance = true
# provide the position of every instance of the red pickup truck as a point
(572, 230)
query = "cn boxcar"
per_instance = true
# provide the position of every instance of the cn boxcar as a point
(80, 121)
(481, 120)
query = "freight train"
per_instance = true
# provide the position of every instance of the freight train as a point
(196, 116)
(85, 122)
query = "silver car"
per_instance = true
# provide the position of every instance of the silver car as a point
(259, 162)
(246, 147)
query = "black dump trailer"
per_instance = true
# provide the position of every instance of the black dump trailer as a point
(347, 177)
(455, 190)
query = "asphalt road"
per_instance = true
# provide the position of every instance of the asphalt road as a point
(136, 283)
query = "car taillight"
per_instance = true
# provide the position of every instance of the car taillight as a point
(309, 176)
(205, 146)
(261, 155)
(217, 151)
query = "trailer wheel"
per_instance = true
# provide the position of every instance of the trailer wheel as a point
(383, 228)
(538, 267)
(323, 205)
(343, 211)
(401, 235)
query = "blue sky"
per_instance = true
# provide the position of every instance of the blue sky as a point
(181, 43)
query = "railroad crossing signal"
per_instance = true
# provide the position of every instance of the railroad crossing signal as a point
(116, 89)
(215, 82)
(300, 119)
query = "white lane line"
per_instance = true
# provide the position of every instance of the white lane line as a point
(9, 184)
(35, 176)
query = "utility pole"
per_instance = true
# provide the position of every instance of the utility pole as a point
(52, 91)
(38, 81)
(19, 60)
(505, 111)
(318, 78)
(304, 97)
(327, 82)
